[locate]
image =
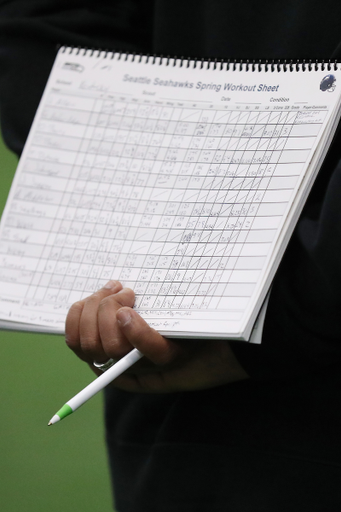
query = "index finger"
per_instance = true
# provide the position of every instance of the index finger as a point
(81, 325)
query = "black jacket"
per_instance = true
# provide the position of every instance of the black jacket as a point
(199, 451)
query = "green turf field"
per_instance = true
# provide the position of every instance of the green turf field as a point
(61, 468)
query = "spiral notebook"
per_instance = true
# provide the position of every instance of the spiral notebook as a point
(183, 179)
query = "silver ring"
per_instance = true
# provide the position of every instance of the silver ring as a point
(104, 366)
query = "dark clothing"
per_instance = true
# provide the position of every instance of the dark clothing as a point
(271, 443)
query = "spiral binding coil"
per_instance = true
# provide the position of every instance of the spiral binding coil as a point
(216, 64)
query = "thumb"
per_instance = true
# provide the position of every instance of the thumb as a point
(155, 347)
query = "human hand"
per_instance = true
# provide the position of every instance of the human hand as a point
(105, 326)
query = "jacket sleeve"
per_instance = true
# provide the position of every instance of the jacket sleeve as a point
(32, 30)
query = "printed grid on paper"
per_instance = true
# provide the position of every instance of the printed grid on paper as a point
(180, 203)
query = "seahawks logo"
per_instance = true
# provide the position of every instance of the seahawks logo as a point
(328, 83)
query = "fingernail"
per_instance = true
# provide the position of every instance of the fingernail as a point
(123, 317)
(111, 285)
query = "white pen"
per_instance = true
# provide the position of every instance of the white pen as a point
(97, 385)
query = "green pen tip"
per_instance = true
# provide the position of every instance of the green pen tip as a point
(64, 411)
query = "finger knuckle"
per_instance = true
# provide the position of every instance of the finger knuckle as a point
(89, 343)
(71, 342)
(76, 309)
(106, 304)
(125, 297)
(92, 300)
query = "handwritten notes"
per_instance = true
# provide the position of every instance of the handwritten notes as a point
(182, 202)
